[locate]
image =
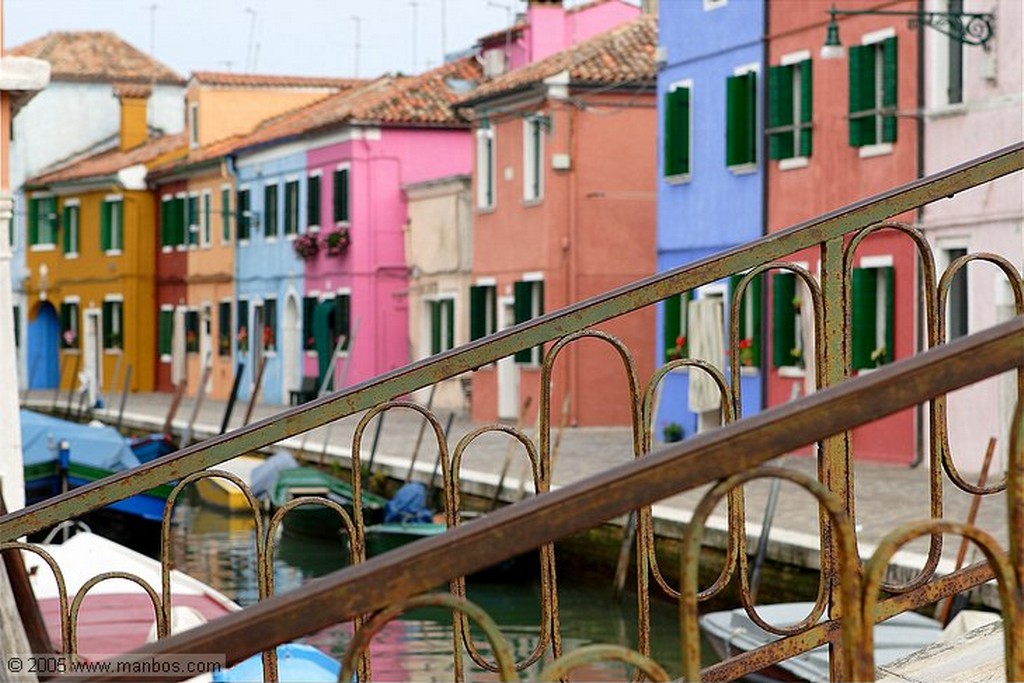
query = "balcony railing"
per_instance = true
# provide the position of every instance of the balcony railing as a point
(730, 456)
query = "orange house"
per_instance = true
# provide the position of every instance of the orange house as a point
(91, 243)
(564, 183)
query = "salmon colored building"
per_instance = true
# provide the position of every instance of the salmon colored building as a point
(564, 210)
(839, 130)
(91, 244)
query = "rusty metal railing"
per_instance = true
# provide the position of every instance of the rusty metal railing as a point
(355, 593)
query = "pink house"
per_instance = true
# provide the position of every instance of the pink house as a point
(564, 210)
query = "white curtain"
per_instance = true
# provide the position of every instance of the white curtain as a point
(178, 348)
(707, 342)
(807, 334)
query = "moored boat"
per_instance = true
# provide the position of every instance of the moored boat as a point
(318, 520)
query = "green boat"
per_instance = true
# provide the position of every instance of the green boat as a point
(319, 520)
(380, 538)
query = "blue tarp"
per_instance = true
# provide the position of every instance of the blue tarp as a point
(408, 505)
(296, 663)
(94, 446)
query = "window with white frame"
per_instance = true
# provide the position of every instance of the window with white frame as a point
(270, 211)
(165, 332)
(42, 221)
(113, 324)
(69, 323)
(192, 219)
(291, 207)
(112, 225)
(956, 298)
(483, 310)
(485, 166)
(71, 228)
(678, 129)
(340, 195)
(790, 102)
(873, 79)
(533, 158)
(441, 323)
(313, 202)
(529, 304)
(204, 219)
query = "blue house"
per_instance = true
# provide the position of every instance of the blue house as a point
(709, 191)
(269, 274)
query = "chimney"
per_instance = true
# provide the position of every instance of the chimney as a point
(134, 98)
(546, 32)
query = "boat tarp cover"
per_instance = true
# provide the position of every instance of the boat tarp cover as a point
(409, 504)
(296, 662)
(94, 446)
(265, 474)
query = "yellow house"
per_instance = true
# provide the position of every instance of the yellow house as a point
(91, 250)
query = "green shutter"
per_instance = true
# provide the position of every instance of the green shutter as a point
(783, 319)
(862, 317)
(449, 305)
(672, 328)
(309, 304)
(780, 111)
(888, 276)
(105, 209)
(207, 200)
(342, 317)
(477, 312)
(741, 112)
(166, 332)
(191, 218)
(165, 212)
(677, 131)
(435, 327)
(66, 221)
(33, 221)
(313, 201)
(118, 239)
(806, 106)
(224, 328)
(890, 78)
(751, 331)
(523, 308)
(181, 221)
(225, 215)
(341, 195)
(862, 94)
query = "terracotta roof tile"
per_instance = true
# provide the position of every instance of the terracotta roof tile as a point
(623, 55)
(95, 56)
(140, 90)
(243, 80)
(110, 162)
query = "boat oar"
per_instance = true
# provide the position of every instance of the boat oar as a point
(232, 397)
(945, 609)
(508, 453)
(762, 541)
(437, 460)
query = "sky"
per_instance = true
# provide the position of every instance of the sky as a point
(292, 37)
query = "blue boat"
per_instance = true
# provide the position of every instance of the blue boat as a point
(94, 451)
(296, 663)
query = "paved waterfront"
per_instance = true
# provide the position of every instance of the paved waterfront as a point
(885, 495)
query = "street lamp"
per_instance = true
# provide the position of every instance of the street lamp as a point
(965, 27)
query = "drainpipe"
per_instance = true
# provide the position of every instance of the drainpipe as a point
(921, 320)
(574, 366)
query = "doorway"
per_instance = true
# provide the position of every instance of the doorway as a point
(43, 347)
(92, 349)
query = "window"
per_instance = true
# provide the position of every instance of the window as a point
(242, 325)
(787, 327)
(192, 331)
(270, 325)
(112, 225)
(749, 333)
(313, 203)
(193, 124)
(678, 129)
(192, 219)
(956, 299)
(955, 80)
(341, 209)
(741, 119)
(483, 310)
(42, 222)
(872, 317)
(270, 211)
(790, 102)
(165, 332)
(291, 207)
(243, 216)
(71, 229)
(873, 84)
(533, 158)
(69, 325)
(225, 215)
(172, 222)
(675, 330)
(485, 165)
(442, 324)
(529, 304)
(308, 310)
(113, 324)
(224, 328)
(205, 220)
(341, 321)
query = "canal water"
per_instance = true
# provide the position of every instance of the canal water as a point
(218, 549)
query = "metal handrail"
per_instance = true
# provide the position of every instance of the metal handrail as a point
(574, 318)
(736, 447)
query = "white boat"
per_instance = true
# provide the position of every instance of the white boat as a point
(731, 632)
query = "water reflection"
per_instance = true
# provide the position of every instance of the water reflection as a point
(220, 552)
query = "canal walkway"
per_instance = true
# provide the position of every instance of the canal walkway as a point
(885, 495)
